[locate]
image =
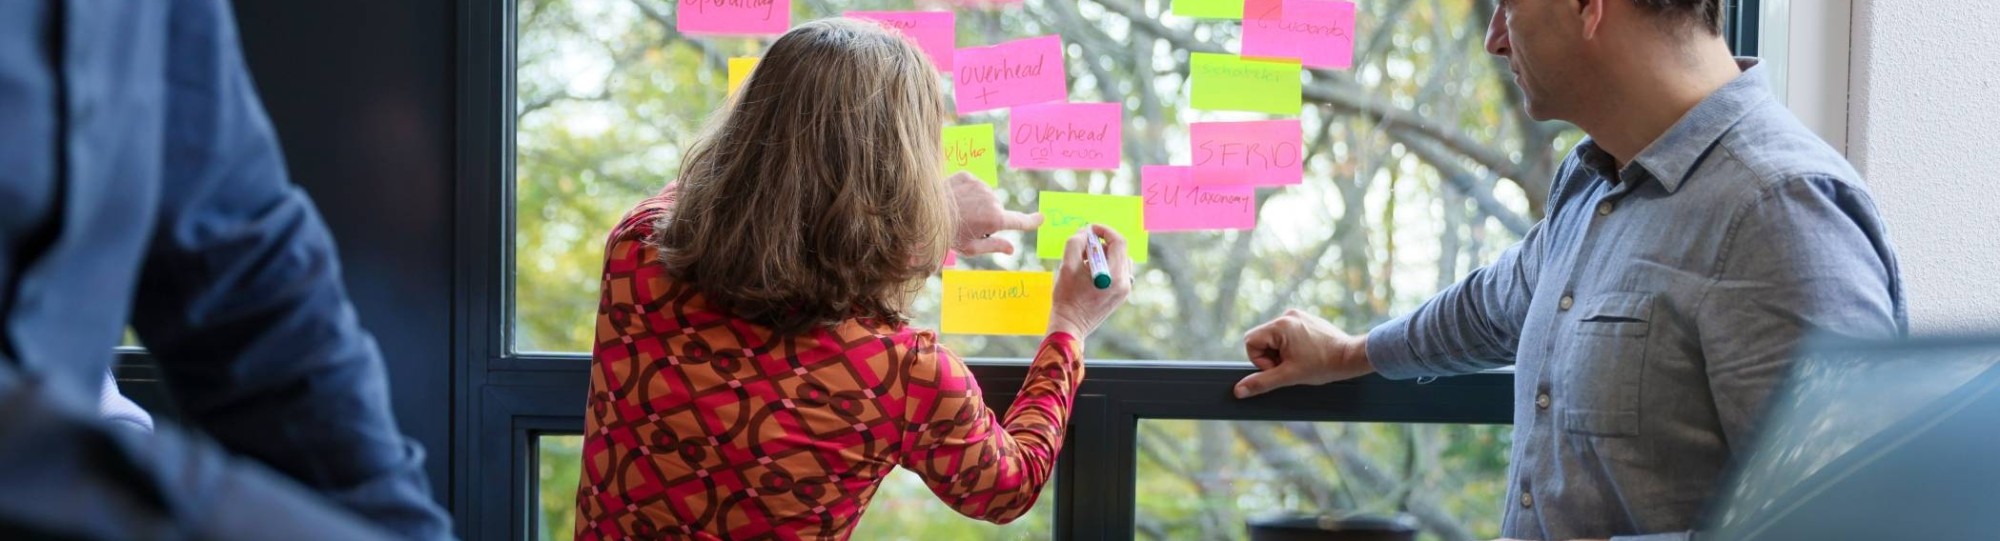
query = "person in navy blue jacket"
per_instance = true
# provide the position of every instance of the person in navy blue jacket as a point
(141, 181)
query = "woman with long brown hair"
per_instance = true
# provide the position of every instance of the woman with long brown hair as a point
(755, 375)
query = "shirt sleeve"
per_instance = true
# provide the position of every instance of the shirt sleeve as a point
(240, 298)
(115, 407)
(985, 468)
(1473, 325)
(1807, 259)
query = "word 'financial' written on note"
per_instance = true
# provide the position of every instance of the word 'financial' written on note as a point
(1175, 203)
(1064, 213)
(1231, 83)
(1065, 136)
(1020, 72)
(935, 32)
(734, 17)
(1320, 33)
(996, 302)
(1256, 153)
(969, 148)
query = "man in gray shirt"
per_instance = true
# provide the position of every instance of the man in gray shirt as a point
(1691, 243)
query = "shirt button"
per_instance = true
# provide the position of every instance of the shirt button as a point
(1566, 302)
(1542, 401)
(1604, 208)
(1527, 500)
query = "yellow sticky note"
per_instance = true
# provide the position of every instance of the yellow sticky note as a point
(739, 69)
(997, 302)
(1225, 82)
(1065, 212)
(969, 148)
(1209, 9)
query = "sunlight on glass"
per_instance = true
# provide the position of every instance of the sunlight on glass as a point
(1207, 479)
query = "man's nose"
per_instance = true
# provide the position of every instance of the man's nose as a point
(1497, 41)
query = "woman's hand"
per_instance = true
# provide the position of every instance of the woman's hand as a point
(1079, 305)
(980, 216)
(1301, 349)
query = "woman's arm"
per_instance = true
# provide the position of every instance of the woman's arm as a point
(986, 468)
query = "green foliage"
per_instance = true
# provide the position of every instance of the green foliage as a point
(608, 94)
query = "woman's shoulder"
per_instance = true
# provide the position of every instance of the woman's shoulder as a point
(638, 222)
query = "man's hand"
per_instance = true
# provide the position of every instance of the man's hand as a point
(980, 216)
(1301, 349)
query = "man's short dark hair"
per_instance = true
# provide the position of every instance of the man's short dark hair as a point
(1687, 14)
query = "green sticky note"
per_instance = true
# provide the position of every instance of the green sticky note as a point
(1209, 9)
(969, 148)
(1225, 82)
(1065, 212)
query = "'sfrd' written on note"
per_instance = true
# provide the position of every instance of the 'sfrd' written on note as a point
(1257, 153)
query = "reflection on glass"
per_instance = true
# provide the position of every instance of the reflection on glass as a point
(903, 508)
(1205, 479)
(607, 93)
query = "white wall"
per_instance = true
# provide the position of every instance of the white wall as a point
(1923, 127)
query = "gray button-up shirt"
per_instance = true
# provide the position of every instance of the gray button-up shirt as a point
(1653, 310)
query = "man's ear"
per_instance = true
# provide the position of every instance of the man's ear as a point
(1591, 14)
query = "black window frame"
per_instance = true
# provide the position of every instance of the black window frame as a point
(504, 399)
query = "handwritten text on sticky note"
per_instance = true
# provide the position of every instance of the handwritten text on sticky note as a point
(1259, 153)
(969, 148)
(996, 302)
(734, 17)
(1320, 33)
(1209, 9)
(933, 31)
(1065, 212)
(739, 71)
(1231, 83)
(1175, 203)
(1019, 72)
(1065, 136)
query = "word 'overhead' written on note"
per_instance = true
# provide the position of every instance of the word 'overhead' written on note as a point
(996, 302)
(1175, 203)
(969, 148)
(1258, 153)
(1230, 83)
(1320, 33)
(935, 32)
(1064, 213)
(739, 71)
(734, 17)
(1020, 72)
(1065, 136)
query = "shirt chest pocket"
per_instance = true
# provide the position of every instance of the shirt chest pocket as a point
(1603, 363)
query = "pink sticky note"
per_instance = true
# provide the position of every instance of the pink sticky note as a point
(933, 31)
(1320, 33)
(1065, 136)
(1175, 203)
(1259, 153)
(734, 17)
(950, 257)
(1020, 72)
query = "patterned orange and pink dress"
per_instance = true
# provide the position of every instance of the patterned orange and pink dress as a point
(703, 426)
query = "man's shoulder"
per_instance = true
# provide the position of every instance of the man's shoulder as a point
(1772, 148)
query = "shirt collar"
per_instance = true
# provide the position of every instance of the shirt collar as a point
(1672, 156)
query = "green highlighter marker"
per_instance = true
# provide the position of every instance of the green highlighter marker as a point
(1100, 270)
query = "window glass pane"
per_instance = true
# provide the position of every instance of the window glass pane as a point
(1205, 479)
(902, 509)
(1389, 212)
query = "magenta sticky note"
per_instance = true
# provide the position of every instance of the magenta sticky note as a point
(1256, 153)
(1320, 33)
(1065, 136)
(950, 258)
(734, 17)
(1020, 72)
(1175, 203)
(933, 31)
